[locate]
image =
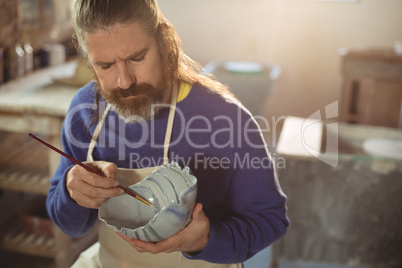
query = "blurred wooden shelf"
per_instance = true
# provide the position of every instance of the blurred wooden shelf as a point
(23, 165)
(24, 182)
(29, 243)
(14, 238)
(34, 103)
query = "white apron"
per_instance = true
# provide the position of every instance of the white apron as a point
(112, 251)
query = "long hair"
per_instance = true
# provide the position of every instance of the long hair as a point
(92, 15)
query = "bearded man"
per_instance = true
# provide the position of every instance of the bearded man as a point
(150, 104)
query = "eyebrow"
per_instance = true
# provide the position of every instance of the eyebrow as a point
(135, 55)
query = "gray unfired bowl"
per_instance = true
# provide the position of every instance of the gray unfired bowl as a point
(172, 191)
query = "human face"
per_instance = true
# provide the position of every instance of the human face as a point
(129, 68)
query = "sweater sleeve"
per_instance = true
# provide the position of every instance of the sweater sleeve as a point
(238, 238)
(70, 217)
(254, 207)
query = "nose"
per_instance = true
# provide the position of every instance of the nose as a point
(125, 77)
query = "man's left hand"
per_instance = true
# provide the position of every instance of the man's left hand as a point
(193, 238)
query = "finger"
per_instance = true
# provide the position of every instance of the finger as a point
(123, 236)
(109, 169)
(86, 201)
(98, 181)
(78, 173)
(99, 192)
(131, 240)
(145, 246)
(169, 245)
(95, 190)
(139, 245)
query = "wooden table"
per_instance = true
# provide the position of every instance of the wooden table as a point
(36, 104)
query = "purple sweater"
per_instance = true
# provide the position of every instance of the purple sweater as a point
(221, 144)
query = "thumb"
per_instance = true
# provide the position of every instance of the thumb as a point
(197, 212)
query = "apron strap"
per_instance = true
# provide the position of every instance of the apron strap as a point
(96, 134)
(169, 127)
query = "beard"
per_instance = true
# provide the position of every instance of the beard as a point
(135, 104)
(138, 103)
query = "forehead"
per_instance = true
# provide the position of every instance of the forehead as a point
(118, 41)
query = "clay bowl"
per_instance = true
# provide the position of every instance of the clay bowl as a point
(172, 191)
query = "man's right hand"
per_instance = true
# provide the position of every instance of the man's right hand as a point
(89, 189)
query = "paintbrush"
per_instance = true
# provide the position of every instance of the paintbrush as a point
(127, 191)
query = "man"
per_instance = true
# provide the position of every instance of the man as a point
(140, 69)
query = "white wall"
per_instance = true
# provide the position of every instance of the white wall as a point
(300, 35)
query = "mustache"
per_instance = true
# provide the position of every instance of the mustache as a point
(133, 90)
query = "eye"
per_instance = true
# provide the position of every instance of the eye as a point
(105, 67)
(138, 59)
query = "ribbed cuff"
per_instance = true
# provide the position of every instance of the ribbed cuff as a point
(216, 251)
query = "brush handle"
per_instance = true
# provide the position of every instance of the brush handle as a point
(86, 167)
(65, 155)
